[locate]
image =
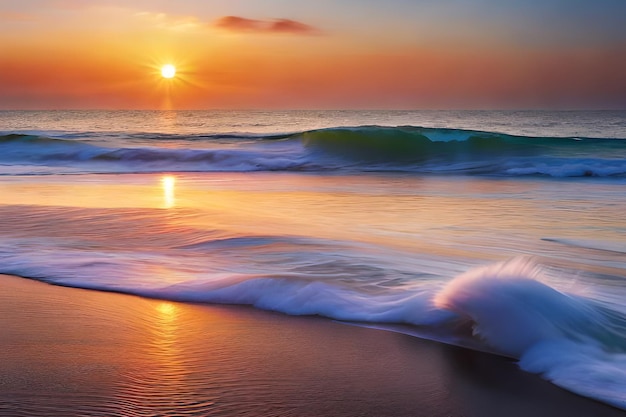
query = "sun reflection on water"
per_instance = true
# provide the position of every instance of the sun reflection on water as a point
(168, 183)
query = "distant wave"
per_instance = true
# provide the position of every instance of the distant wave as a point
(616, 247)
(365, 148)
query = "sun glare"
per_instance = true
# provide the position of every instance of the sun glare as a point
(168, 71)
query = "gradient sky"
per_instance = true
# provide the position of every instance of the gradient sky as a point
(323, 54)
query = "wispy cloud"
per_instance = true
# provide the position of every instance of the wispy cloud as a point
(287, 26)
(169, 22)
(291, 26)
(239, 24)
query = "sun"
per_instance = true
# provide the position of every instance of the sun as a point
(168, 71)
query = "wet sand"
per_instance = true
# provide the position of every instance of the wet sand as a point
(73, 352)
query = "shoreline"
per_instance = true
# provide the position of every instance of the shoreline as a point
(69, 351)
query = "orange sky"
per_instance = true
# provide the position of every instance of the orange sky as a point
(74, 54)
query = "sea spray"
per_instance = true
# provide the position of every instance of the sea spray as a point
(572, 341)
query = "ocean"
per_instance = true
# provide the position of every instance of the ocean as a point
(498, 231)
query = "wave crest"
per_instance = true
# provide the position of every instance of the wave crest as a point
(512, 309)
(572, 341)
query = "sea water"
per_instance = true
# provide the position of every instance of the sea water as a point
(499, 231)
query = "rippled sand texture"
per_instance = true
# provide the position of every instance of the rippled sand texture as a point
(71, 352)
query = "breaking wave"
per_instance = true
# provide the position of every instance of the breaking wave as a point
(507, 308)
(365, 148)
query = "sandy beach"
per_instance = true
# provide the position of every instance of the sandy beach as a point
(73, 352)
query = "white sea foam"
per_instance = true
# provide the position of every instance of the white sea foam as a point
(581, 367)
(308, 297)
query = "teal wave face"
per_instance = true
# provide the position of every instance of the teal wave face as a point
(430, 150)
(413, 144)
(370, 143)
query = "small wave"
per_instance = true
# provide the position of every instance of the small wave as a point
(31, 139)
(250, 241)
(19, 151)
(605, 246)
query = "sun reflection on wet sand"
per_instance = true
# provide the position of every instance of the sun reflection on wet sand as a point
(162, 382)
(167, 310)
(163, 344)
